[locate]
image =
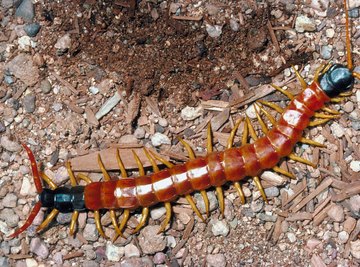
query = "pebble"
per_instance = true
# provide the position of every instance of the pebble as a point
(32, 29)
(63, 218)
(357, 94)
(355, 165)
(2, 127)
(10, 217)
(337, 129)
(213, 203)
(170, 241)
(26, 10)
(326, 52)
(330, 33)
(9, 201)
(234, 25)
(9, 145)
(150, 241)
(355, 248)
(220, 228)
(128, 139)
(139, 133)
(159, 258)
(291, 237)
(304, 24)
(137, 262)
(191, 113)
(354, 202)
(38, 247)
(94, 90)
(348, 107)
(313, 243)
(157, 213)
(343, 237)
(336, 213)
(23, 68)
(45, 86)
(250, 112)
(267, 218)
(159, 139)
(257, 205)
(354, 4)
(131, 251)
(272, 191)
(108, 105)
(7, 4)
(88, 263)
(349, 224)
(58, 258)
(217, 260)
(63, 44)
(31, 263)
(229, 210)
(163, 122)
(90, 233)
(214, 31)
(114, 253)
(29, 103)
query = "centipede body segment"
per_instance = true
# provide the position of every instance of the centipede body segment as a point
(215, 169)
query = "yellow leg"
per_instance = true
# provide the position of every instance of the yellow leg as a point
(251, 128)
(302, 160)
(209, 144)
(48, 219)
(144, 216)
(73, 222)
(138, 162)
(230, 141)
(240, 192)
(337, 99)
(121, 164)
(71, 174)
(331, 111)
(268, 115)
(263, 126)
(288, 94)
(114, 222)
(282, 171)
(325, 116)
(318, 122)
(193, 206)
(261, 188)
(98, 224)
(206, 201)
(48, 180)
(162, 160)
(311, 142)
(102, 168)
(188, 148)
(245, 134)
(124, 220)
(220, 196)
(300, 78)
(84, 178)
(167, 218)
(346, 94)
(271, 105)
(152, 161)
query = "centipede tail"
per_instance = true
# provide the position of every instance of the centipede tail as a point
(332, 83)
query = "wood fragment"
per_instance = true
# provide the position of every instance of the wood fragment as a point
(299, 189)
(242, 80)
(354, 234)
(316, 261)
(322, 215)
(220, 119)
(19, 256)
(321, 206)
(277, 229)
(325, 184)
(65, 83)
(273, 36)
(349, 191)
(90, 116)
(195, 18)
(299, 216)
(133, 109)
(153, 106)
(72, 255)
(73, 107)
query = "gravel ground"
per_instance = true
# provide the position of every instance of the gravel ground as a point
(77, 77)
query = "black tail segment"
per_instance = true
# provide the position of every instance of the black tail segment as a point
(39, 189)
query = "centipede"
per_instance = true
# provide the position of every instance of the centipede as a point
(331, 83)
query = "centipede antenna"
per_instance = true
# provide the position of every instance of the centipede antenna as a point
(348, 37)
(34, 169)
(29, 220)
(144, 216)
(300, 78)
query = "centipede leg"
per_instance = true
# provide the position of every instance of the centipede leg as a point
(318, 122)
(144, 216)
(325, 116)
(331, 111)
(75, 214)
(98, 224)
(288, 94)
(48, 219)
(311, 142)
(302, 160)
(300, 78)
(167, 218)
(48, 180)
(271, 105)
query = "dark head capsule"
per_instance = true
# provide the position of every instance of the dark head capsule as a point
(336, 80)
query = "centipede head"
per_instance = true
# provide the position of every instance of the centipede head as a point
(340, 78)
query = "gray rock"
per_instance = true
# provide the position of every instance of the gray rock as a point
(26, 10)
(9, 145)
(4, 262)
(29, 103)
(159, 139)
(88, 263)
(354, 202)
(9, 201)
(131, 251)
(214, 31)
(163, 122)
(159, 258)
(7, 4)
(267, 218)
(10, 217)
(355, 249)
(217, 260)
(58, 258)
(150, 241)
(303, 23)
(139, 133)
(90, 232)
(336, 213)
(23, 68)
(157, 213)
(2, 127)
(201, 204)
(137, 262)
(108, 106)
(45, 86)
(114, 253)
(272, 191)
(326, 52)
(32, 29)
(63, 44)
(63, 218)
(38, 247)
(257, 205)
(220, 228)
(234, 25)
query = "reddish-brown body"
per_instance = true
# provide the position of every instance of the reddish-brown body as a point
(216, 168)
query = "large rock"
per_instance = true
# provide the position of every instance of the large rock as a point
(22, 67)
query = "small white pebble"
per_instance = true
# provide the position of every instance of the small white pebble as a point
(355, 165)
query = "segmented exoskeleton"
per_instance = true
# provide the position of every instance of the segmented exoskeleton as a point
(331, 83)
